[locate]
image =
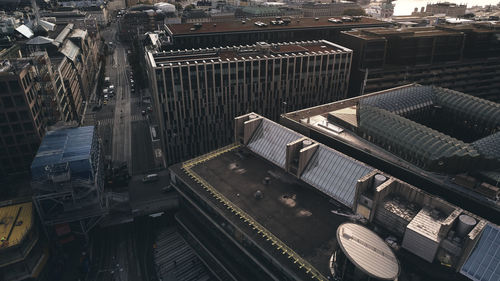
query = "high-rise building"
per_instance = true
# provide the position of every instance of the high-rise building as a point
(22, 124)
(198, 92)
(463, 57)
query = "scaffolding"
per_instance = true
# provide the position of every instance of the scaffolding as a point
(67, 179)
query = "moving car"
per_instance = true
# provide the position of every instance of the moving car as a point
(150, 178)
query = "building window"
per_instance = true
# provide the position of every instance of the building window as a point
(20, 138)
(5, 129)
(28, 126)
(19, 101)
(16, 128)
(7, 102)
(3, 85)
(14, 86)
(13, 116)
(24, 115)
(3, 119)
(8, 140)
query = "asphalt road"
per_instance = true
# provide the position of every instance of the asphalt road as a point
(122, 150)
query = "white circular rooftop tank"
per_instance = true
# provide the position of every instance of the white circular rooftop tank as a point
(378, 180)
(306, 143)
(465, 225)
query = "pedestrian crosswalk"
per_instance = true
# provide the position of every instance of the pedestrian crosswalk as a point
(138, 117)
(110, 121)
(107, 121)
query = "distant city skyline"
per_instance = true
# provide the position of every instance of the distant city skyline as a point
(405, 7)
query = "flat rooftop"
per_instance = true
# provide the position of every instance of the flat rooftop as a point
(237, 52)
(382, 32)
(15, 222)
(296, 23)
(293, 211)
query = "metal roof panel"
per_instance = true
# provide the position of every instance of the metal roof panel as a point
(335, 174)
(270, 140)
(484, 262)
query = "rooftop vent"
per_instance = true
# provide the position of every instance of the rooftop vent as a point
(267, 180)
(258, 195)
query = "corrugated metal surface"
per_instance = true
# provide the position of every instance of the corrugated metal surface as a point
(489, 146)
(269, 141)
(40, 40)
(176, 260)
(484, 262)
(421, 236)
(403, 101)
(25, 31)
(368, 251)
(335, 174)
(71, 145)
(64, 33)
(70, 50)
(78, 33)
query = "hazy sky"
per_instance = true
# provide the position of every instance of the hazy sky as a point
(405, 7)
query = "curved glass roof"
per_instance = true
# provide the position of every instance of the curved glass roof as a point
(381, 118)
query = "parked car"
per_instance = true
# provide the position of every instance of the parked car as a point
(150, 178)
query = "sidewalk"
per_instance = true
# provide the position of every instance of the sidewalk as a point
(88, 117)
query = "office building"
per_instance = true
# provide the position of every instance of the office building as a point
(444, 139)
(22, 124)
(74, 54)
(197, 92)
(312, 9)
(463, 57)
(67, 181)
(271, 30)
(23, 251)
(276, 205)
(138, 20)
(446, 8)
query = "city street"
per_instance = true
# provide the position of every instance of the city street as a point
(119, 251)
(121, 146)
(123, 129)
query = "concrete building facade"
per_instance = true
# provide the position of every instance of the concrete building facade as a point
(460, 57)
(197, 92)
(328, 9)
(449, 9)
(22, 124)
